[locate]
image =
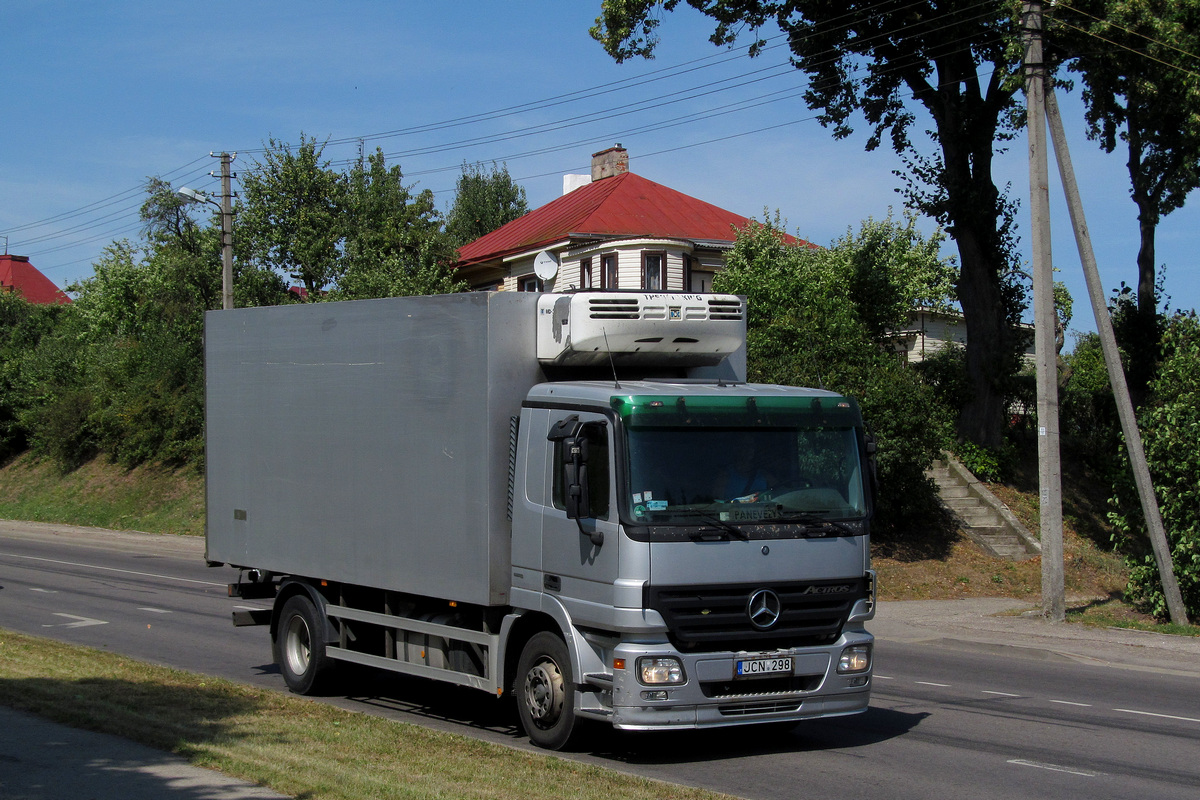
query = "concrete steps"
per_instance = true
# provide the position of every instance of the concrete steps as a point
(983, 518)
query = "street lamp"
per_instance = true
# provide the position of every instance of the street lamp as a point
(193, 196)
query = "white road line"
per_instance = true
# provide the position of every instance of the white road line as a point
(1069, 703)
(43, 591)
(153, 610)
(928, 683)
(1160, 716)
(1001, 694)
(112, 569)
(1053, 767)
(80, 622)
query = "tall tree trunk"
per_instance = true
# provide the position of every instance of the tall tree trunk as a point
(988, 335)
(1142, 332)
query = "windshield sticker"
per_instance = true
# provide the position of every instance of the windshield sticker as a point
(656, 505)
(637, 497)
(749, 514)
(639, 511)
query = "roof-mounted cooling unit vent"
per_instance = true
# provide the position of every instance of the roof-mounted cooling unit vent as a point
(631, 327)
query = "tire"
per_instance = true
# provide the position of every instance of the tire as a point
(299, 647)
(545, 691)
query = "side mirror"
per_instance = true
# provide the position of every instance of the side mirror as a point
(575, 474)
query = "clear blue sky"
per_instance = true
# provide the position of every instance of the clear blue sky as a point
(99, 96)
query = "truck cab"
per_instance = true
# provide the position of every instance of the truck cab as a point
(706, 542)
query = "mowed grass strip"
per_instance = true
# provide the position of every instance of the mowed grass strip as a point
(295, 746)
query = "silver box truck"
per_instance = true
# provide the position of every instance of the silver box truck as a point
(573, 497)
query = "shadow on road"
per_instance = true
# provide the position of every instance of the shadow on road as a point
(435, 701)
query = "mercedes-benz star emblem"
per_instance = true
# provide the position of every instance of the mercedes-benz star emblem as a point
(763, 609)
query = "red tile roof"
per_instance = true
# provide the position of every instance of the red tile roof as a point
(17, 273)
(625, 205)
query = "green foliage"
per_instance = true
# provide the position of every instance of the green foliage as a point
(957, 61)
(984, 463)
(1142, 88)
(1087, 411)
(1170, 425)
(120, 371)
(293, 218)
(484, 202)
(815, 320)
(395, 245)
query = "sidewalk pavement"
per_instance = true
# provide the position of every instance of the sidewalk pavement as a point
(1018, 626)
(42, 760)
(47, 761)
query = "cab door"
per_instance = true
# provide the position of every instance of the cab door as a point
(579, 556)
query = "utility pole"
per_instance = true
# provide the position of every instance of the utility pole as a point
(227, 231)
(1044, 321)
(1116, 373)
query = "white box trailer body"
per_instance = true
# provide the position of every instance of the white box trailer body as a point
(368, 442)
(407, 479)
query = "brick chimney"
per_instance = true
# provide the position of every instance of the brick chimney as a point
(610, 162)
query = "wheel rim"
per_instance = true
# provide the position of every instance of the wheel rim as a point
(297, 645)
(544, 693)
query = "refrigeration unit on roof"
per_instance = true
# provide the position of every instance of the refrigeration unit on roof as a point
(588, 328)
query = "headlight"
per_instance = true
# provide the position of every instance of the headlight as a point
(855, 658)
(655, 670)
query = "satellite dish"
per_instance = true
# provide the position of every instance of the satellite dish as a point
(545, 265)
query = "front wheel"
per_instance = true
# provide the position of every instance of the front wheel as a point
(546, 692)
(299, 646)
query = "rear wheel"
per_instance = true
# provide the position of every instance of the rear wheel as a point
(546, 692)
(299, 646)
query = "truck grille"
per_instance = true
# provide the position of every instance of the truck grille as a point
(716, 617)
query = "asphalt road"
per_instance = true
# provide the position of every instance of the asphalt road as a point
(948, 718)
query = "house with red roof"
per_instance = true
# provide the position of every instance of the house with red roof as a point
(617, 230)
(18, 275)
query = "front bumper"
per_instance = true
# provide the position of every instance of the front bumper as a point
(712, 696)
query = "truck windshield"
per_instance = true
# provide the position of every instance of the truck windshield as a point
(696, 462)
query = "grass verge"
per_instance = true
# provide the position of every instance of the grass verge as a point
(295, 746)
(102, 495)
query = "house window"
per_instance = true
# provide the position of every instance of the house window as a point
(530, 283)
(585, 273)
(653, 267)
(608, 271)
(687, 273)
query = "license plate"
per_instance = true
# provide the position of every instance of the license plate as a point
(753, 667)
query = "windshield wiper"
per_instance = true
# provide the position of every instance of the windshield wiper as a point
(812, 520)
(711, 519)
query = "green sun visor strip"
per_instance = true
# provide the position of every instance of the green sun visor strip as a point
(738, 411)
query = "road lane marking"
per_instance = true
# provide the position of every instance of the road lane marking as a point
(1160, 716)
(883, 677)
(929, 683)
(1053, 767)
(43, 591)
(112, 569)
(153, 610)
(1001, 694)
(1069, 703)
(80, 622)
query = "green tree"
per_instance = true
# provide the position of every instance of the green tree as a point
(293, 220)
(483, 202)
(1170, 425)
(956, 61)
(394, 240)
(1141, 86)
(22, 327)
(815, 320)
